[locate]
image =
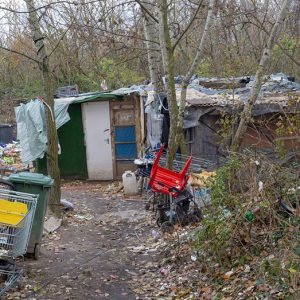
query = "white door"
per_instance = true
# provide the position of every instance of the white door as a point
(96, 123)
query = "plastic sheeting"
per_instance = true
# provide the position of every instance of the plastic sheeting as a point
(193, 115)
(154, 126)
(32, 130)
(275, 86)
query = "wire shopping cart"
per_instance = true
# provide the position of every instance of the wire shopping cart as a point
(16, 217)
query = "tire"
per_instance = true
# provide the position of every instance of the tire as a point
(198, 214)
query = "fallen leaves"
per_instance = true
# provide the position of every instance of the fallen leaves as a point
(151, 266)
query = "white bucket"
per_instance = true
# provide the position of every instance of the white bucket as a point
(130, 183)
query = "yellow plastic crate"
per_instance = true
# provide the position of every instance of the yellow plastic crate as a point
(12, 213)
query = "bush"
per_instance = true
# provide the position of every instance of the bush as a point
(254, 212)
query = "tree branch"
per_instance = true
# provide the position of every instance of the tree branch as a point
(259, 76)
(19, 53)
(263, 28)
(146, 10)
(46, 6)
(188, 26)
(285, 52)
(61, 38)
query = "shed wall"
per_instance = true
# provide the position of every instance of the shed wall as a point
(72, 160)
(260, 136)
(205, 142)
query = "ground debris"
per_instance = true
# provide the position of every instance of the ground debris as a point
(112, 249)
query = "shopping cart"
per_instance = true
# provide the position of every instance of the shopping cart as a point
(16, 217)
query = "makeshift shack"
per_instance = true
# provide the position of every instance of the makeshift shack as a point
(209, 100)
(101, 137)
(206, 107)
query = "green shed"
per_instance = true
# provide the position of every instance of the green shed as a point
(102, 137)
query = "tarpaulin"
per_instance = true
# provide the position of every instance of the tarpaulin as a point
(32, 129)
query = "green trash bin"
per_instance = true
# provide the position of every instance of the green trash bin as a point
(34, 183)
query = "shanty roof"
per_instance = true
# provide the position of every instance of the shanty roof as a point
(221, 92)
(276, 90)
(90, 97)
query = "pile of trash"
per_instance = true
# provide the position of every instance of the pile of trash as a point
(10, 157)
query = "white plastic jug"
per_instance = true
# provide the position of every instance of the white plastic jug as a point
(130, 183)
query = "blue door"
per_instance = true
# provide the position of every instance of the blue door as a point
(125, 134)
(125, 142)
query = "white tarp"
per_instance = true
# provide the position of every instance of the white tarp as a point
(32, 130)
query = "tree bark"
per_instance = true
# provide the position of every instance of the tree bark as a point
(168, 57)
(264, 62)
(153, 47)
(52, 149)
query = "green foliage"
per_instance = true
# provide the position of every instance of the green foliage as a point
(226, 123)
(282, 274)
(288, 43)
(114, 75)
(237, 65)
(117, 76)
(215, 235)
(205, 68)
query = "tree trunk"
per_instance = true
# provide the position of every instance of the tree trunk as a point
(192, 69)
(264, 61)
(168, 57)
(176, 137)
(52, 150)
(153, 47)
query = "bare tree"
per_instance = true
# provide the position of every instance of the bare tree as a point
(43, 61)
(264, 61)
(176, 137)
(197, 60)
(151, 30)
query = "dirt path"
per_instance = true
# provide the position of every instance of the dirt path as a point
(95, 255)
